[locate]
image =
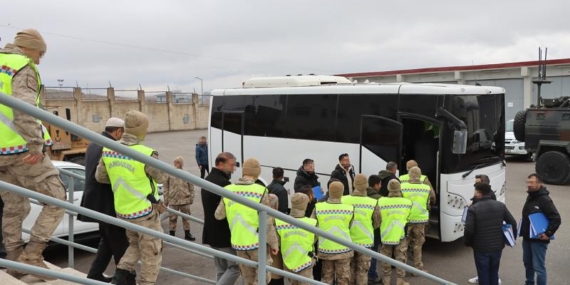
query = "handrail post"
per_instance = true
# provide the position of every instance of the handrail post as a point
(262, 250)
(71, 233)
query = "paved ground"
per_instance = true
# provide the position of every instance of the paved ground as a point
(451, 261)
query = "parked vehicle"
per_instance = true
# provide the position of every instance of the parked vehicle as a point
(512, 145)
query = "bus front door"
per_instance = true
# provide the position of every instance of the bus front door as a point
(380, 142)
(232, 137)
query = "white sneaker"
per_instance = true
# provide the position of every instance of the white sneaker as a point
(499, 281)
(475, 280)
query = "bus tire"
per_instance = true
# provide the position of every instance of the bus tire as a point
(519, 125)
(554, 167)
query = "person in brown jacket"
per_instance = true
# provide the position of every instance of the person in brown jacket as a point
(179, 195)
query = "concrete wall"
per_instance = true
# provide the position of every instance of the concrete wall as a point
(93, 114)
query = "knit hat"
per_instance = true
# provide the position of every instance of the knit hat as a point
(136, 123)
(299, 203)
(30, 38)
(336, 189)
(410, 164)
(360, 182)
(252, 168)
(415, 173)
(394, 185)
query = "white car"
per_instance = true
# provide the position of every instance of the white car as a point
(62, 229)
(512, 146)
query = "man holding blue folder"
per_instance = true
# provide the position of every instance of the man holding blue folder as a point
(534, 246)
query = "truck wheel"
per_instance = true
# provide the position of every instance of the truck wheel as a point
(78, 159)
(519, 125)
(554, 167)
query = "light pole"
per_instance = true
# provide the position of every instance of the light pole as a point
(201, 85)
(60, 82)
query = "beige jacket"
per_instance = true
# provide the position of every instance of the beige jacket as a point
(178, 191)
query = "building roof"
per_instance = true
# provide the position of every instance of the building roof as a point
(456, 68)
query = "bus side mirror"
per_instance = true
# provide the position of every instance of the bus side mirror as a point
(459, 141)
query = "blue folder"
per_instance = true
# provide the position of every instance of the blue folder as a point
(317, 192)
(538, 225)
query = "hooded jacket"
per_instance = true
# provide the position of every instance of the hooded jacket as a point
(539, 201)
(385, 177)
(341, 174)
(303, 178)
(277, 187)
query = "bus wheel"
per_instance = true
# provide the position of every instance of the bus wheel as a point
(78, 159)
(554, 167)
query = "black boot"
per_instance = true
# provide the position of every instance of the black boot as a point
(172, 233)
(120, 277)
(131, 278)
(189, 236)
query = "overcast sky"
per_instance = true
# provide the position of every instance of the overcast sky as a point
(169, 42)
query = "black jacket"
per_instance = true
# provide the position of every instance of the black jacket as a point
(96, 196)
(276, 187)
(341, 174)
(484, 225)
(216, 233)
(539, 201)
(385, 177)
(303, 178)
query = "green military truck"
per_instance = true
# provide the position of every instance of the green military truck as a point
(546, 133)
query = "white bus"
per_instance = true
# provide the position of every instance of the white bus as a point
(454, 132)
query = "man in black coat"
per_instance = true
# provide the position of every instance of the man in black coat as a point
(99, 197)
(277, 187)
(484, 233)
(344, 171)
(306, 176)
(386, 176)
(216, 233)
(534, 250)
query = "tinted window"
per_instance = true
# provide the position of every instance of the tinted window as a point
(484, 117)
(216, 120)
(265, 115)
(78, 185)
(352, 107)
(311, 117)
(425, 105)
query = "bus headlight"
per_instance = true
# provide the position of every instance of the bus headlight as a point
(456, 201)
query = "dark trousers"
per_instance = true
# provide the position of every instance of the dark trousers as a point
(113, 243)
(487, 264)
(372, 274)
(203, 170)
(2, 248)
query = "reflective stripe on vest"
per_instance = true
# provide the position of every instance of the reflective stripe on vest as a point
(362, 229)
(335, 219)
(130, 183)
(12, 142)
(244, 221)
(296, 243)
(419, 195)
(406, 178)
(395, 212)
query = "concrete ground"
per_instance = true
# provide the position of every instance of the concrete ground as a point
(451, 261)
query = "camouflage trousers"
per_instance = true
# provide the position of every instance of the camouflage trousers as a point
(359, 266)
(145, 248)
(307, 272)
(41, 177)
(249, 274)
(400, 252)
(340, 268)
(416, 240)
(173, 219)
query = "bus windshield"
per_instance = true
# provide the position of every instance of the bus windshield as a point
(484, 117)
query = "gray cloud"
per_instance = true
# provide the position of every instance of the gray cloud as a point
(227, 42)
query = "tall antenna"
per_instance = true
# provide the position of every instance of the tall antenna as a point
(541, 75)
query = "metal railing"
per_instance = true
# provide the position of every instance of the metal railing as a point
(147, 160)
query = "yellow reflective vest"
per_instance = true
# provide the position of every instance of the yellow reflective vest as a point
(335, 219)
(11, 141)
(419, 195)
(244, 221)
(406, 178)
(395, 212)
(362, 229)
(296, 244)
(131, 185)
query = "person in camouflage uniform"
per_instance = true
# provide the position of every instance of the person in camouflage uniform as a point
(26, 165)
(147, 249)
(179, 195)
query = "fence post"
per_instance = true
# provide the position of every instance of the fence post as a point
(70, 231)
(262, 251)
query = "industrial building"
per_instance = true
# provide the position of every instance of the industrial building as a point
(515, 77)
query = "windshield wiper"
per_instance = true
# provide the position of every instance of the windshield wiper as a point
(494, 160)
